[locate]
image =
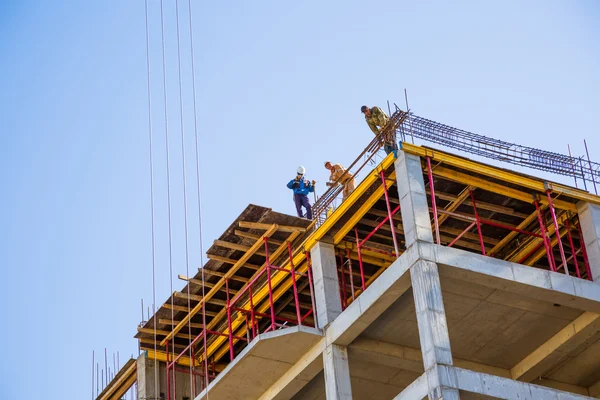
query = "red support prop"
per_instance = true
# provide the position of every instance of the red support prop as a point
(586, 261)
(268, 267)
(557, 232)
(350, 273)
(360, 263)
(478, 220)
(252, 320)
(168, 373)
(545, 237)
(573, 249)
(433, 203)
(195, 388)
(229, 327)
(526, 256)
(468, 228)
(310, 285)
(389, 210)
(295, 288)
(343, 285)
(379, 225)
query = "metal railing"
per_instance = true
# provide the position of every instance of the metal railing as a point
(331, 195)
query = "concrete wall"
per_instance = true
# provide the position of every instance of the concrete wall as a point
(147, 371)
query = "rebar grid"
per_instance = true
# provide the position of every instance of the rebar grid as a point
(435, 132)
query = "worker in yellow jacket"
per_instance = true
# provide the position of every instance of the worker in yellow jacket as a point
(338, 175)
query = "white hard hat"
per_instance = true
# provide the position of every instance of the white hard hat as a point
(301, 170)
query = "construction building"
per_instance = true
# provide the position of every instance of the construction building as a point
(439, 277)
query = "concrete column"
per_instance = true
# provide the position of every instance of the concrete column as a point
(589, 217)
(326, 285)
(337, 373)
(146, 379)
(413, 199)
(433, 328)
(424, 275)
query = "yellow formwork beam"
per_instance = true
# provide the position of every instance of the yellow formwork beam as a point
(257, 297)
(253, 249)
(162, 356)
(508, 238)
(349, 202)
(280, 277)
(499, 173)
(535, 242)
(467, 179)
(279, 280)
(542, 252)
(117, 388)
(364, 208)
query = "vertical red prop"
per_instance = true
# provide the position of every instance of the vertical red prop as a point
(557, 232)
(310, 285)
(350, 273)
(360, 263)
(545, 237)
(252, 320)
(433, 203)
(573, 249)
(229, 327)
(168, 369)
(268, 264)
(343, 286)
(586, 261)
(389, 210)
(478, 223)
(293, 275)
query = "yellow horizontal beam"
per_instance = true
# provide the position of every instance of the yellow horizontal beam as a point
(264, 227)
(467, 179)
(253, 249)
(228, 260)
(348, 203)
(119, 386)
(364, 208)
(317, 235)
(508, 238)
(162, 356)
(499, 173)
(257, 297)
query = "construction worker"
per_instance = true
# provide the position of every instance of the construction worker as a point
(338, 175)
(375, 118)
(302, 187)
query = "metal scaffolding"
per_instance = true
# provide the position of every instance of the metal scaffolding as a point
(435, 132)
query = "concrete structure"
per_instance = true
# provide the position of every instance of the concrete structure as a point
(486, 315)
(441, 322)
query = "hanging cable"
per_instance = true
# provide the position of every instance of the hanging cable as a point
(185, 223)
(195, 108)
(151, 194)
(164, 64)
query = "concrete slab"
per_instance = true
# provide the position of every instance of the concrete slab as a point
(514, 278)
(262, 362)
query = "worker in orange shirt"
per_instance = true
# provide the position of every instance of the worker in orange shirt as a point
(338, 175)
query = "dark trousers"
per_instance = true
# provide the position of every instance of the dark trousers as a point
(302, 200)
(389, 147)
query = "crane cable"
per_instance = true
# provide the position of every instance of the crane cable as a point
(151, 195)
(195, 108)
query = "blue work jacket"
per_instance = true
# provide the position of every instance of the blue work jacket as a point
(302, 186)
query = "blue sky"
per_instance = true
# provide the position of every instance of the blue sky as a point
(278, 85)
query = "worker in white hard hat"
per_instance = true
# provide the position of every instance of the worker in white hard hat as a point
(338, 175)
(302, 187)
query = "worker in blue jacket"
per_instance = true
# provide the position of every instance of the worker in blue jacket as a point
(302, 187)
